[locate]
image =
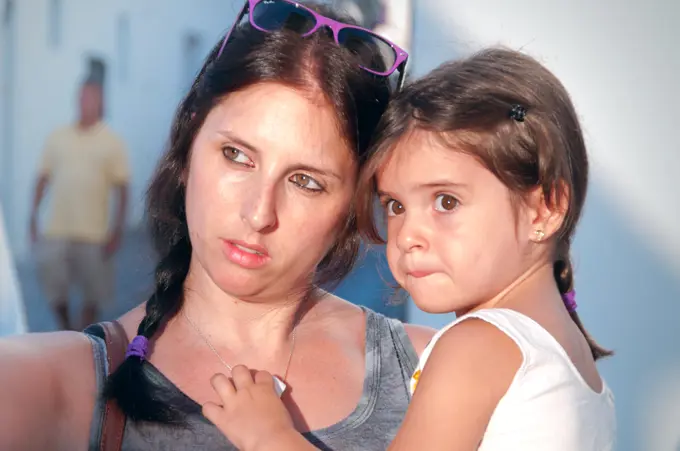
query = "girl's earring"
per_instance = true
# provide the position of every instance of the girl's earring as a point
(539, 235)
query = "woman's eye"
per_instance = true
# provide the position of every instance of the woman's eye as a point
(394, 208)
(445, 203)
(237, 156)
(306, 182)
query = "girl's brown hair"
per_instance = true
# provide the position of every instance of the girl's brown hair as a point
(515, 116)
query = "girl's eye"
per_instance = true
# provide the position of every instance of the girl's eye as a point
(445, 203)
(306, 182)
(237, 156)
(394, 208)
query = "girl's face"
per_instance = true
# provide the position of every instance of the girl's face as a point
(454, 238)
(269, 185)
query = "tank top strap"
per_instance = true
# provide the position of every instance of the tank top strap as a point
(531, 338)
(511, 323)
(392, 350)
(101, 368)
(403, 347)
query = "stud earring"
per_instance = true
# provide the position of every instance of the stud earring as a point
(539, 235)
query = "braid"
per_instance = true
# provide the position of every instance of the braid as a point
(564, 277)
(140, 398)
(169, 277)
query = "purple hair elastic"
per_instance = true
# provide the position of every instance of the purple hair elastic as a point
(570, 301)
(138, 347)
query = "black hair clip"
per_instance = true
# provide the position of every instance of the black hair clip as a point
(518, 113)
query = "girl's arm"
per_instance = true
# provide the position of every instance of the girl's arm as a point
(469, 370)
(251, 415)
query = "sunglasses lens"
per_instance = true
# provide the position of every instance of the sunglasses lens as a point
(272, 15)
(373, 52)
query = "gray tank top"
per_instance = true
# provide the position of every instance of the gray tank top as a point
(390, 361)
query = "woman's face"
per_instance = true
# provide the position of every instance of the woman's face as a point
(269, 186)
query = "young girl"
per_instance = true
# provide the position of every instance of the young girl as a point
(481, 169)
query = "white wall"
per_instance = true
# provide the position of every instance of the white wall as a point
(12, 313)
(619, 60)
(139, 105)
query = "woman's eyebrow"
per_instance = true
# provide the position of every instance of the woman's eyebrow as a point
(320, 171)
(296, 167)
(236, 140)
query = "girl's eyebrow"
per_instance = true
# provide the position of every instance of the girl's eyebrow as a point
(436, 184)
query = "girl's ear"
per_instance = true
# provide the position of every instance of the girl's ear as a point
(547, 211)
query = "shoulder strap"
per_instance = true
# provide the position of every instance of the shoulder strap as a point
(114, 419)
(519, 327)
(406, 353)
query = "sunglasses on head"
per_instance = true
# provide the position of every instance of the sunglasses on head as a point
(374, 53)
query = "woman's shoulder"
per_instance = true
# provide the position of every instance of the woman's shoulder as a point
(359, 316)
(420, 336)
(53, 352)
(131, 319)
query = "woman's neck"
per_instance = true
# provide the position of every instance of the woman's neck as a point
(232, 322)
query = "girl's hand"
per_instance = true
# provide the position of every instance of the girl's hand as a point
(251, 415)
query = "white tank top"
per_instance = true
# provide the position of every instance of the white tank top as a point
(548, 406)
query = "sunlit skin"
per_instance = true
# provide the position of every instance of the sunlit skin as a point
(268, 165)
(455, 240)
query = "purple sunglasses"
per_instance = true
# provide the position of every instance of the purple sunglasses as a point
(272, 15)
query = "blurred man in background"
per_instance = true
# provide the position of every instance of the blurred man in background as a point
(81, 164)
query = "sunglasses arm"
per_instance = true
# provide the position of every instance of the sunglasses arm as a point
(239, 18)
(402, 75)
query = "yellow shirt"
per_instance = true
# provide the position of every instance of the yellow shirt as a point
(82, 165)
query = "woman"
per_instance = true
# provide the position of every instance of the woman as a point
(249, 211)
